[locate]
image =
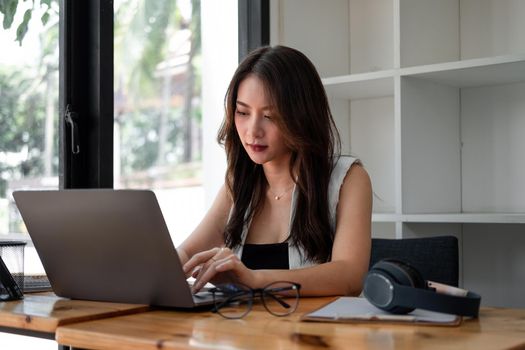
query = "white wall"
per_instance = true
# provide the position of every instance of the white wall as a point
(219, 61)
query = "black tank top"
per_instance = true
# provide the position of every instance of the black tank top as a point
(266, 256)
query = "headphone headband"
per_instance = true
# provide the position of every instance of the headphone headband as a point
(430, 300)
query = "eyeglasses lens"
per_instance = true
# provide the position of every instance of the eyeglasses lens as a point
(233, 301)
(281, 298)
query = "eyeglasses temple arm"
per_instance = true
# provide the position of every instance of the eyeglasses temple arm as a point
(274, 290)
(229, 299)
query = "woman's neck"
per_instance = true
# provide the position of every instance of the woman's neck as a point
(278, 176)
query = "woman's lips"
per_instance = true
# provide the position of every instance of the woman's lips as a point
(258, 148)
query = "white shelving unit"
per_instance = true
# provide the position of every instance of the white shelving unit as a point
(431, 96)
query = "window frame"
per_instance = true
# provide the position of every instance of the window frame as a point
(86, 86)
(254, 25)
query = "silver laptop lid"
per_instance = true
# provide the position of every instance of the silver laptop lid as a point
(107, 245)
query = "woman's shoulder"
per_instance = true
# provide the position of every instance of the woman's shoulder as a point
(349, 167)
(340, 170)
(341, 166)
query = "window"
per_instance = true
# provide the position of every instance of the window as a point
(158, 118)
(172, 63)
(158, 106)
(28, 110)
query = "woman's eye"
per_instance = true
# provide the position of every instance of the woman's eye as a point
(241, 112)
(269, 117)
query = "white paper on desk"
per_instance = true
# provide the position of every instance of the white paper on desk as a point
(355, 309)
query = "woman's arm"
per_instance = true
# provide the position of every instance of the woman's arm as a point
(343, 275)
(209, 232)
(352, 241)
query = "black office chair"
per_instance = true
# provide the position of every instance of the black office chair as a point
(435, 257)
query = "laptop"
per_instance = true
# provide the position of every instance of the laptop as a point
(107, 245)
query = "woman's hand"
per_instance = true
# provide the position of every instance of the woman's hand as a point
(218, 265)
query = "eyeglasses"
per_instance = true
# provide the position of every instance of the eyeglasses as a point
(234, 301)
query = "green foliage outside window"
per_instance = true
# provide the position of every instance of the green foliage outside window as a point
(156, 123)
(8, 8)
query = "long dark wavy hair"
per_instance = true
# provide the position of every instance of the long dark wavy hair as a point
(300, 109)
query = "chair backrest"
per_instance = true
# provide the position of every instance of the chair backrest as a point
(435, 257)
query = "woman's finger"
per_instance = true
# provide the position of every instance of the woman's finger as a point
(198, 259)
(210, 272)
(220, 254)
(196, 271)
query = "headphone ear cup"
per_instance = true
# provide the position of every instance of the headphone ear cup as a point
(378, 289)
(417, 279)
(385, 275)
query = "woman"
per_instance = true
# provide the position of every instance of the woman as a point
(291, 208)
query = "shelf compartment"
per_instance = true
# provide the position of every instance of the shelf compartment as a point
(493, 263)
(366, 127)
(430, 147)
(326, 43)
(372, 139)
(371, 35)
(339, 36)
(491, 27)
(492, 144)
(429, 31)
(451, 30)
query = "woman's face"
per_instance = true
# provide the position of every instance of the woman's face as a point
(258, 132)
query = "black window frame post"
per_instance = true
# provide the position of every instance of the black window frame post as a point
(86, 94)
(254, 25)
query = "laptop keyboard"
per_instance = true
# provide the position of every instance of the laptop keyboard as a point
(36, 283)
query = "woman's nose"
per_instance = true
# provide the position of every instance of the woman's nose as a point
(255, 128)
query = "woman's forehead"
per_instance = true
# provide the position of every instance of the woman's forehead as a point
(252, 92)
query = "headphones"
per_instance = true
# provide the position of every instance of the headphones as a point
(397, 287)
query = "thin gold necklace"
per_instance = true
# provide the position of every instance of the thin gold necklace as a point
(279, 196)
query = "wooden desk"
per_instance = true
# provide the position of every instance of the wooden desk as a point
(495, 329)
(41, 314)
